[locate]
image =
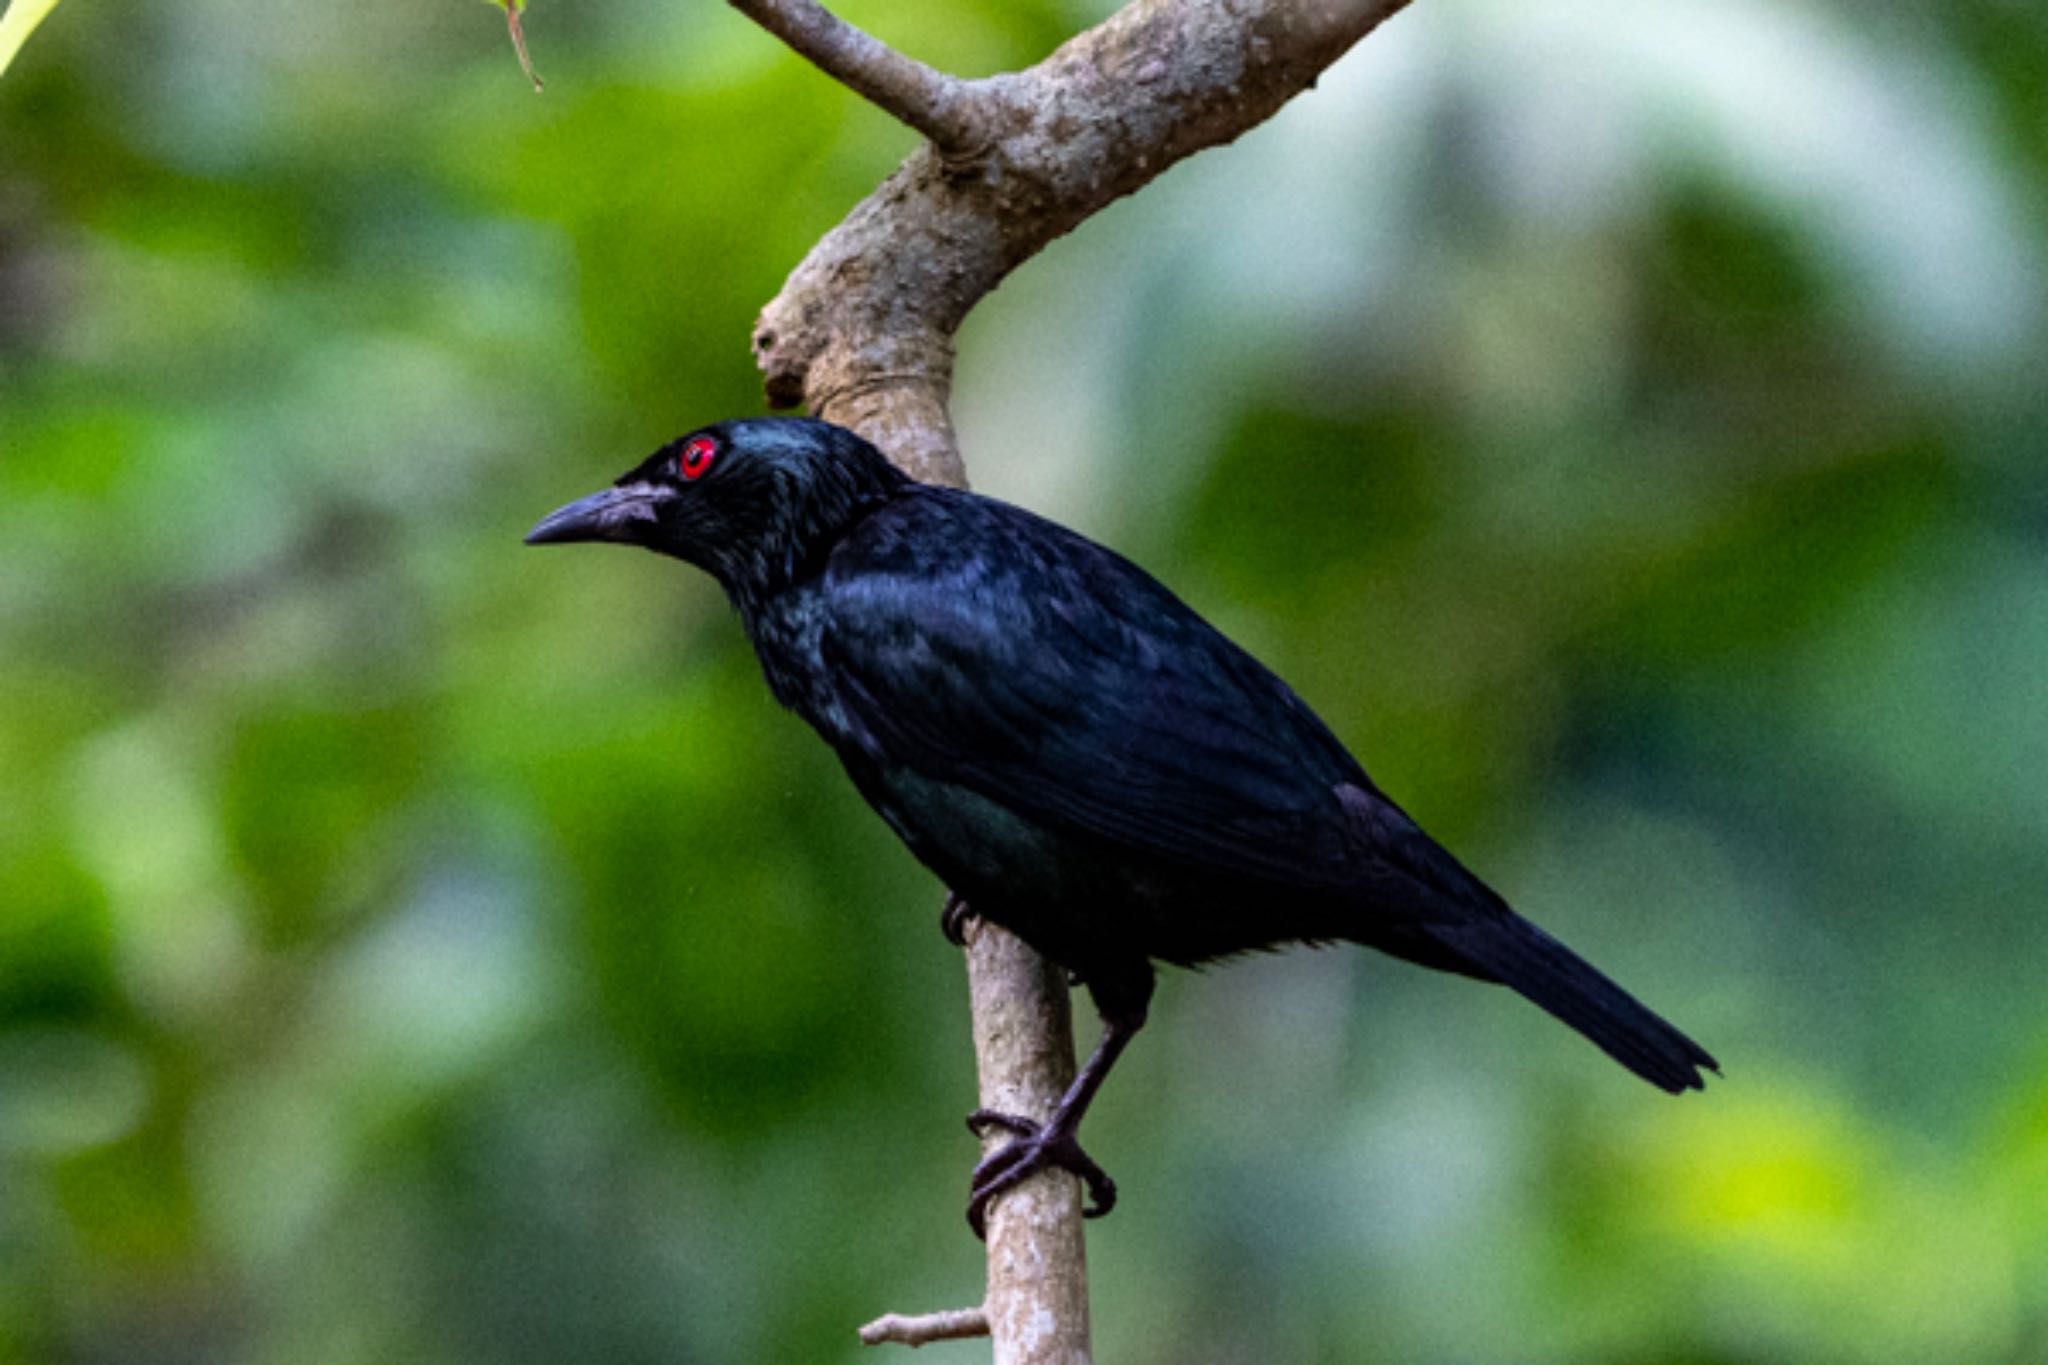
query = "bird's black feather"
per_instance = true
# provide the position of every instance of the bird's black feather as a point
(1022, 662)
(1070, 746)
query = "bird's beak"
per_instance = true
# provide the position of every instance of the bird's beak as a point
(619, 513)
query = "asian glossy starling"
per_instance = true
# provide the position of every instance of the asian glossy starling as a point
(1077, 754)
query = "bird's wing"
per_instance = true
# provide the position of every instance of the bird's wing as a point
(1041, 671)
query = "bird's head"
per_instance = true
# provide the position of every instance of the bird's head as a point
(754, 502)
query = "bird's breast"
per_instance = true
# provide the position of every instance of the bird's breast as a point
(787, 632)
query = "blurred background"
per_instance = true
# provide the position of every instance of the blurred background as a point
(1623, 421)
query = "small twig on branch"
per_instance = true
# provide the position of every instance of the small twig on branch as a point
(925, 1327)
(941, 107)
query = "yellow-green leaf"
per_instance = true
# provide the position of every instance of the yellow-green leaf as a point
(21, 19)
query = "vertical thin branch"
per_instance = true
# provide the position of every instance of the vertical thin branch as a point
(862, 332)
(1037, 1302)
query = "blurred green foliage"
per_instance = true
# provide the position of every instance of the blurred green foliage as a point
(1624, 422)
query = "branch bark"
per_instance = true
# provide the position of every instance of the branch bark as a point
(926, 1328)
(929, 101)
(862, 333)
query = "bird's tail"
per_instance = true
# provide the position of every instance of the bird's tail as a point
(1514, 952)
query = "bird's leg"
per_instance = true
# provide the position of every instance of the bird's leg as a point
(953, 919)
(1055, 1142)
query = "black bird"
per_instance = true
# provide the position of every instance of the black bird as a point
(1078, 755)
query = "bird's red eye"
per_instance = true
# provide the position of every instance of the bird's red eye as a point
(695, 461)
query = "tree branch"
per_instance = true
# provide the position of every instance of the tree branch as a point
(926, 1327)
(941, 107)
(1037, 1296)
(862, 332)
(862, 329)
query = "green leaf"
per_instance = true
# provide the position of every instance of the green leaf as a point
(21, 19)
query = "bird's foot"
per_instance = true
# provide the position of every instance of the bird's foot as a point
(953, 919)
(1037, 1147)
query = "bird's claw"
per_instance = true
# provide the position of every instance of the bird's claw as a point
(953, 919)
(1037, 1147)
